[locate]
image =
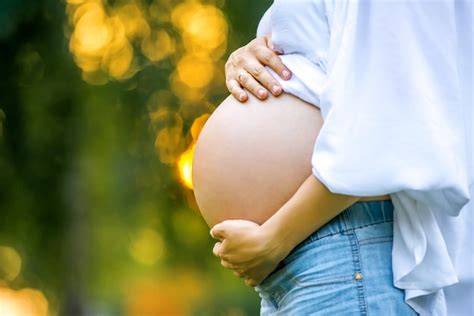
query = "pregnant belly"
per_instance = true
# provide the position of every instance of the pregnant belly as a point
(251, 158)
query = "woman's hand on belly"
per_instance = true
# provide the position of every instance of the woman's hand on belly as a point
(247, 249)
(245, 68)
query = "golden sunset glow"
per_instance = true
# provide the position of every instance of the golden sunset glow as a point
(198, 124)
(23, 302)
(185, 162)
(185, 167)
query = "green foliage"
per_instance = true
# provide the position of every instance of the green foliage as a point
(81, 183)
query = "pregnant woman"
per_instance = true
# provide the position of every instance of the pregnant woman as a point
(397, 132)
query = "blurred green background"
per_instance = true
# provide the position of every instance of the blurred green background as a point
(100, 105)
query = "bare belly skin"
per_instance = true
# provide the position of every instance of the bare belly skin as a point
(251, 158)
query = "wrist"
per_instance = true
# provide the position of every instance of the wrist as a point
(278, 239)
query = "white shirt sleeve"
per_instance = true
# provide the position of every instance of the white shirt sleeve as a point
(307, 64)
(395, 122)
(264, 26)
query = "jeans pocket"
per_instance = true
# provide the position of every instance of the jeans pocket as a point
(309, 279)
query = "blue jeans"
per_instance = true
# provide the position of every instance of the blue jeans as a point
(344, 268)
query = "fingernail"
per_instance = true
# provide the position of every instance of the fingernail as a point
(276, 89)
(286, 74)
(261, 93)
(242, 97)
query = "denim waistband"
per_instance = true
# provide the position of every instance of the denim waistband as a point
(359, 214)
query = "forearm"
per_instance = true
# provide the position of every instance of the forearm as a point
(307, 210)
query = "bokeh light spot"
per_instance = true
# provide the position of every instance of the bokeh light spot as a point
(198, 124)
(194, 71)
(148, 247)
(10, 263)
(203, 27)
(92, 32)
(185, 166)
(25, 302)
(133, 20)
(158, 45)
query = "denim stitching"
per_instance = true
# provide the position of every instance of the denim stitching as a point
(322, 281)
(375, 240)
(358, 268)
(383, 210)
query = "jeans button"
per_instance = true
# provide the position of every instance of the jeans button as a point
(358, 276)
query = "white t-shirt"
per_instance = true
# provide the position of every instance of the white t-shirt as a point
(393, 80)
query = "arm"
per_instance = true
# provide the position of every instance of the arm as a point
(253, 251)
(312, 206)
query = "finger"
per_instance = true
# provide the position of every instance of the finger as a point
(218, 231)
(226, 264)
(269, 58)
(250, 282)
(216, 249)
(259, 72)
(237, 274)
(249, 83)
(234, 87)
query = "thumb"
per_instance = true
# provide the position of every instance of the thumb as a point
(218, 231)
